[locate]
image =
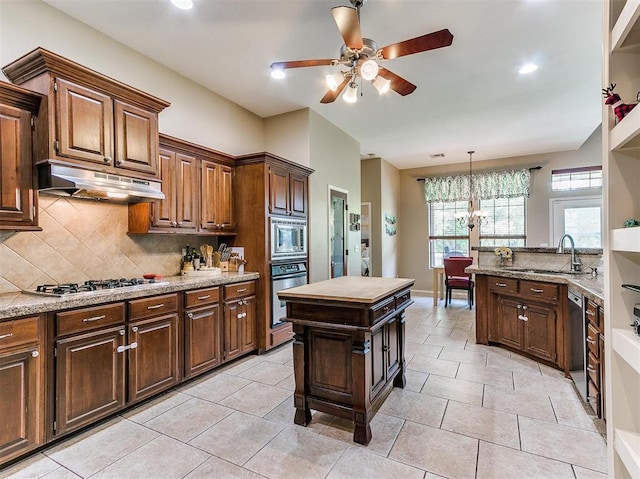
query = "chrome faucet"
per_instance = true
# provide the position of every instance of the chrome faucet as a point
(576, 264)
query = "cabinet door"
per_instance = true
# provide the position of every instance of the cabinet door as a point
(202, 339)
(89, 378)
(208, 195)
(224, 210)
(278, 191)
(164, 211)
(136, 139)
(186, 169)
(248, 325)
(153, 362)
(508, 326)
(377, 354)
(232, 329)
(21, 401)
(84, 124)
(392, 346)
(540, 331)
(17, 199)
(298, 195)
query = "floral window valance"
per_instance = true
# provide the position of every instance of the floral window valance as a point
(499, 184)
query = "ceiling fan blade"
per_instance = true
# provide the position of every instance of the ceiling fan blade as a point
(349, 25)
(301, 63)
(430, 41)
(398, 84)
(331, 96)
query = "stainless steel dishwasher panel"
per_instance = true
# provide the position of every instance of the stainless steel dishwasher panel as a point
(577, 343)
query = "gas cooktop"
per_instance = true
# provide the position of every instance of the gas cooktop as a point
(66, 289)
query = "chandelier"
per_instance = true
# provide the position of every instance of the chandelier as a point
(471, 217)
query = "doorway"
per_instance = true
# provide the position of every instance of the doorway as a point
(337, 232)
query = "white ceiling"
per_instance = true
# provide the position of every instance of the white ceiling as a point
(469, 95)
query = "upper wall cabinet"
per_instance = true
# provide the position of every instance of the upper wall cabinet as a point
(90, 119)
(287, 192)
(18, 202)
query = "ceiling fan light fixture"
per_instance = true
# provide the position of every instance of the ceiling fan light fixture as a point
(369, 70)
(351, 93)
(183, 4)
(333, 81)
(278, 73)
(528, 68)
(382, 85)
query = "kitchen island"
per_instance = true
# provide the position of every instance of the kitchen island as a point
(348, 348)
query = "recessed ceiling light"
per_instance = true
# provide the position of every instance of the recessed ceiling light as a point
(183, 4)
(528, 68)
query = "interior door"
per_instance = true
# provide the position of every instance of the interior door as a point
(338, 233)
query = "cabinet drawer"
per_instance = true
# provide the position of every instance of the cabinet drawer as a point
(147, 307)
(201, 297)
(593, 397)
(592, 341)
(402, 298)
(18, 331)
(593, 369)
(89, 318)
(535, 289)
(238, 290)
(503, 285)
(591, 313)
(380, 310)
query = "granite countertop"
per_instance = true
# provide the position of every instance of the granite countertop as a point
(354, 289)
(23, 304)
(590, 286)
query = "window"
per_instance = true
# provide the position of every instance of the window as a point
(446, 237)
(579, 217)
(570, 179)
(506, 222)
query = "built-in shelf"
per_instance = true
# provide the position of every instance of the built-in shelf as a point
(626, 134)
(627, 445)
(624, 32)
(626, 239)
(627, 344)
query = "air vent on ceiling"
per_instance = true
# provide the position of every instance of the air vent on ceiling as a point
(437, 155)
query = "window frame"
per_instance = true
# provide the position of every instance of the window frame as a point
(511, 240)
(460, 206)
(579, 170)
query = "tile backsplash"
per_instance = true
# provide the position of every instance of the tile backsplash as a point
(82, 240)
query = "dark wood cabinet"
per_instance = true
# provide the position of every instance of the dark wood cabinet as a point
(202, 320)
(89, 119)
(18, 199)
(385, 353)
(239, 319)
(270, 186)
(287, 192)
(526, 316)
(198, 186)
(21, 392)
(595, 344)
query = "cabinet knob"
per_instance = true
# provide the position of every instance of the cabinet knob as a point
(190, 315)
(35, 354)
(179, 223)
(119, 162)
(121, 332)
(174, 224)
(107, 159)
(134, 329)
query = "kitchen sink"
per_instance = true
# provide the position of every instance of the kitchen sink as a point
(542, 271)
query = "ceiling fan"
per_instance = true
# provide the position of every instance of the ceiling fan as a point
(361, 56)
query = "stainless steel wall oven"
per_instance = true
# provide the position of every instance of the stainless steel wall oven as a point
(284, 276)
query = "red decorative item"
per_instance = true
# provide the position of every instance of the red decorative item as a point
(619, 108)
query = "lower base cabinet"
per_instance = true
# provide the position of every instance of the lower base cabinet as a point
(239, 319)
(203, 349)
(21, 388)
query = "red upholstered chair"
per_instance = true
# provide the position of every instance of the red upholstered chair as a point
(456, 278)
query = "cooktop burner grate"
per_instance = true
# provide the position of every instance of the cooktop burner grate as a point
(64, 289)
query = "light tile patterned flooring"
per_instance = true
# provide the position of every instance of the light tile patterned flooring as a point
(468, 411)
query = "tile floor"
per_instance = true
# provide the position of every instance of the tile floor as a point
(468, 411)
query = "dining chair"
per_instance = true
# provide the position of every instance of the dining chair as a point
(456, 278)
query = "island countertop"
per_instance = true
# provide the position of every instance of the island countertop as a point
(355, 289)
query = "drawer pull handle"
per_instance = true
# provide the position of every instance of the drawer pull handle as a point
(8, 335)
(190, 315)
(590, 340)
(501, 285)
(35, 354)
(590, 313)
(202, 298)
(242, 290)
(534, 290)
(156, 306)
(122, 349)
(590, 369)
(522, 317)
(94, 318)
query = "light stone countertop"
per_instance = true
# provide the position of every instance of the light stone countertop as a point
(353, 289)
(585, 284)
(24, 304)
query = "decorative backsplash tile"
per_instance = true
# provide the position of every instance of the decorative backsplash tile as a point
(82, 240)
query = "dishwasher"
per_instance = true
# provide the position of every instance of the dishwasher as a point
(577, 344)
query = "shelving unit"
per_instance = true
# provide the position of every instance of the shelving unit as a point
(621, 167)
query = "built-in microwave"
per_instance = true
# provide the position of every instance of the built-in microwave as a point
(288, 239)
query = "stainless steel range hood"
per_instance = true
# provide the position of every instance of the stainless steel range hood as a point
(62, 180)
